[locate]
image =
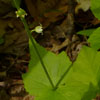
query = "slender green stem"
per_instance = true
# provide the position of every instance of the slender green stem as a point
(36, 50)
(29, 34)
(62, 77)
(17, 6)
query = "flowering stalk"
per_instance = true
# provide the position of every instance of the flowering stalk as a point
(21, 13)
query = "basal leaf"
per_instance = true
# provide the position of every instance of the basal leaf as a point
(95, 7)
(87, 32)
(84, 77)
(78, 84)
(55, 64)
(94, 39)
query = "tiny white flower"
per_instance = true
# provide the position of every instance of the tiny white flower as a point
(21, 13)
(38, 29)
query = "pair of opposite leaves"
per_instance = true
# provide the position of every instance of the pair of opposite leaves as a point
(81, 82)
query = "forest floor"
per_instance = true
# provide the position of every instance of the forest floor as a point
(59, 34)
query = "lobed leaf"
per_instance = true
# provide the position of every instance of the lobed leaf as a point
(35, 79)
(81, 81)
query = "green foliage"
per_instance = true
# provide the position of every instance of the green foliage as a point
(55, 64)
(94, 34)
(95, 7)
(94, 39)
(78, 84)
(87, 32)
